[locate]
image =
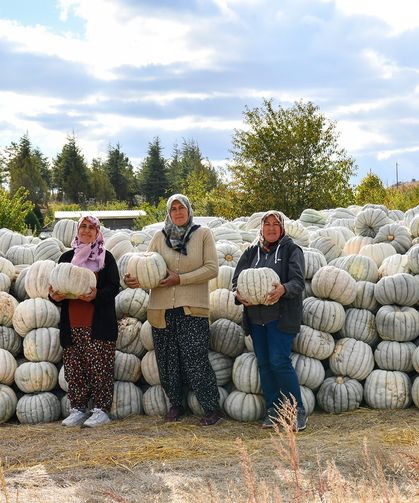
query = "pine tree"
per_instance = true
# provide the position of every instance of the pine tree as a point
(152, 178)
(120, 174)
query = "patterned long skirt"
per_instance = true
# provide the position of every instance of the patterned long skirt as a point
(89, 370)
(182, 358)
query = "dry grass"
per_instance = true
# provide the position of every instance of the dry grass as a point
(366, 455)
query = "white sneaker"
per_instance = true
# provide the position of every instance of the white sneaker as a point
(75, 417)
(98, 418)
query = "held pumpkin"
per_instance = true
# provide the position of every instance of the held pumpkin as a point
(149, 268)
(255, 285)
(72, 280)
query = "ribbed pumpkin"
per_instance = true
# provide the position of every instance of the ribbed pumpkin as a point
(127, 400)
(413, 259)
(393, 355)
(127, 367)
(195, 406)
(245, 374)
(352, 358)
(311, 217)
(415, 359)
(18, 289)
(359, 267)
(393, 265)
(129, 340)
(8, 367)
(369, 221)
(297, 232)
(308, 398)
(35, 313)
(388, 389)
(333, 283)
(313, 260)
(8, 305)
(378, 252)
(327, 246)
(65, 230)
(360, 324)
(226, 337)
(397, 235)
(10, 340)
(396, 323)
(365, 298)
(310, 371)
(255, 284)
(244, 406)
(38, 408)
(8, 401)
(34, 377)
(61, 380)
(401, 289)
(49, 249)
(43, 344)
(222, 305)
(5, 282)
(132, 302)
(21, 254)
(150, 369)
(6, 267)
(415, 392)
(323, 315)
(353, 245)
(148, 267)
(146, 336)
(340, 394)
(223, 279)
(71, 280)
(222, 366)
(37, 279)
(155, 401)
(313, 343)
(9, 238)
(227, 253)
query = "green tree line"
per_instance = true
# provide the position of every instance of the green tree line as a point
(282, 158)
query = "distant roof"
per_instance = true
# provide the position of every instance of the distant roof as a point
(100, 214)
(197, 220)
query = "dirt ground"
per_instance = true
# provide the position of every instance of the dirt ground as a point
(142, 459)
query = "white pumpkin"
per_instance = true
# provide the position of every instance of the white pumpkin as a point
(149, 268)
(387, 389)
(38, 408)
(255, 284)
(37, 278)
(72, 280)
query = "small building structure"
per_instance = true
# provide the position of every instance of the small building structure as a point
(112, 219)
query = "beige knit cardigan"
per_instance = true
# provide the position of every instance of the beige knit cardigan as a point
(195, 270)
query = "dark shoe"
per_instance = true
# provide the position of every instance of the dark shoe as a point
(301, 421)
(211, 418)
(174, 414)
(270, 418)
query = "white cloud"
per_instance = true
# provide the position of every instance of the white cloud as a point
(400, 16)
(386, 154)
(357, 136)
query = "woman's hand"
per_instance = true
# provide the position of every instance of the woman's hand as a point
(130, 281)
(275, 294)
(241, 299)
(55, 295)
(172, 279)
(88, 297)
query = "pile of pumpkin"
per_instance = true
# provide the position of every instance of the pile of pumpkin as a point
(358, 343)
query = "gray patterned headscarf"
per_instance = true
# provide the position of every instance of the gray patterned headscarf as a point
(177, 237)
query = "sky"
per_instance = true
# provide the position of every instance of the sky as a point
(127, 71)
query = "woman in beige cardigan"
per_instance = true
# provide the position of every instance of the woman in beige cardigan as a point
(178, 310)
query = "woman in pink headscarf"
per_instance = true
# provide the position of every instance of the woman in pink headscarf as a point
(88, 329)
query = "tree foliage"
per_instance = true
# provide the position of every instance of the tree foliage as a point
(120, 174)
(370, 190)
(153, 177)
(70, 174)
(289, 159)
(14, 209)
(26, 167)
(101, 188)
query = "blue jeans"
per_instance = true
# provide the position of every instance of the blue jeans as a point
(273, 352)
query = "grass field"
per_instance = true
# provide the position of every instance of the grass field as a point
(362, 456)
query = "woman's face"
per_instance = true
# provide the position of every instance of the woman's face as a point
(271, 229)
(179, 213)
(87, 232)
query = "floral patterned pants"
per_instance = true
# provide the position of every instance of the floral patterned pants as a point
(89, 370)
(182, 358)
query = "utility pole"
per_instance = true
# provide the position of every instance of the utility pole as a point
(397, 175)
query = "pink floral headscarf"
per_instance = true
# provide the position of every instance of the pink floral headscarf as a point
(90, 255)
